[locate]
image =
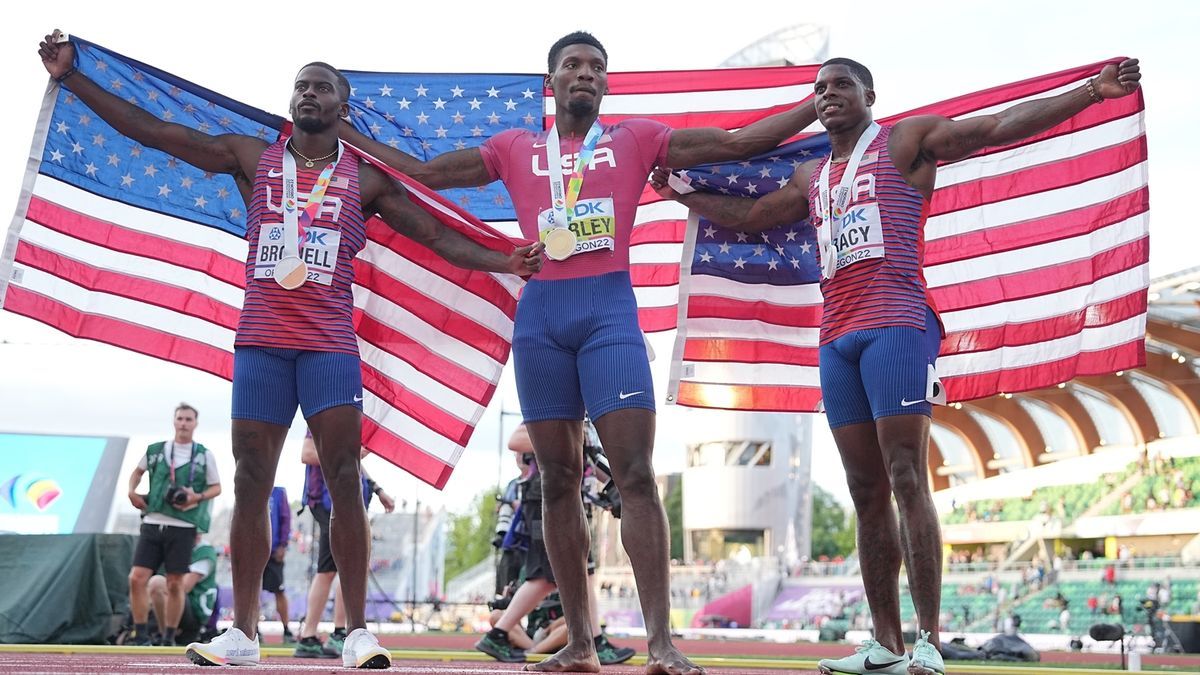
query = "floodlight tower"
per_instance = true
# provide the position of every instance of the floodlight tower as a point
(802, 43)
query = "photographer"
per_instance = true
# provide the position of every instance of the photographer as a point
(183, 481)
(506, 641)
(511, 548)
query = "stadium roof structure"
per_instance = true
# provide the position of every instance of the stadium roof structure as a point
(979, 439)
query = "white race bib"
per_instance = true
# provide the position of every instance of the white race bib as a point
(319, 251)
(858, 235)
(593, 222)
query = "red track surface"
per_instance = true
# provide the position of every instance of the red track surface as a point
(107, 663)
(801, 650)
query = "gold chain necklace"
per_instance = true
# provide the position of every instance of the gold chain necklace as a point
(307, 161)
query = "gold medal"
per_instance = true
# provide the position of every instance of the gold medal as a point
(290, 272)
(560, 243)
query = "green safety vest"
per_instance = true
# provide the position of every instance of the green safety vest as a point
(159, 467)
(203, 596)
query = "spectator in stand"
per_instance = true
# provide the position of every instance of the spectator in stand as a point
(1110, 574)
(280, 513)
(1064, 620)
(1117, 607)
(1164, 594)
(1093, 604)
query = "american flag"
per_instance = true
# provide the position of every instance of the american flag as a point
(1036, 255)
(126, 245)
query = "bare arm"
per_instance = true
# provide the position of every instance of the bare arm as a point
(390, 201)
(190, 580)
(134, 498)
(690, 147)
(745, 214)
(930, 139)
(230, 153)
(308, 453)
(461, 168)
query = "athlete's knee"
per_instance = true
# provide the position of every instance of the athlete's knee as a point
(907, 477)
(174, 584)
(868, 489)
(636, 479)
(560, 480)
(252, 479)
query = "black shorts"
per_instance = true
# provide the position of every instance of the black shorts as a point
(324, 551)
(537, 560)
(165, 545)
(272, 580)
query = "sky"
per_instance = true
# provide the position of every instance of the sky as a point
(919, 53)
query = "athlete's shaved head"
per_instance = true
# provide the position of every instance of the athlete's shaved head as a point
(579, 37)
(858, 70)
(343, 85)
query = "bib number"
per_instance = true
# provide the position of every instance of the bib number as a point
(858, 235)
(318, 251)
(593, 223)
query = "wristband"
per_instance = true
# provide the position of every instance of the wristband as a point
(1091, 91)
(65, 75)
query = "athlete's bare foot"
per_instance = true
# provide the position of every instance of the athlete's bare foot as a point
(671, 662)
(568, 660)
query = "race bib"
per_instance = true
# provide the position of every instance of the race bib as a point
(593, 223)
(319, 251)
(858, 235)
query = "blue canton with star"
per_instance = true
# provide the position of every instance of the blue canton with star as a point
(783, 256)
(426, 115)
(84, 151)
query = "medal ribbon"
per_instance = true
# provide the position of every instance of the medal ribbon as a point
(829, 210)
(297, 219)
(563, 201)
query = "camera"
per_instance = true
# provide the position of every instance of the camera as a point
(176, 496)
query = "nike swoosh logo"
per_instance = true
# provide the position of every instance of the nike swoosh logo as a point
(536, 145)
(624, 396)
(905, 402)
(358, 399)
(879, 666)
(272, 173)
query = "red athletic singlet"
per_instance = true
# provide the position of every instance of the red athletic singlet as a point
(884, 285)
(318, 315)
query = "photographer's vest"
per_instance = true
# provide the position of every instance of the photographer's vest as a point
(159, 466)
(203, 596)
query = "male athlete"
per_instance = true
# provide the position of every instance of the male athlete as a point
(576, 343)
(879, 332)
(295, 342)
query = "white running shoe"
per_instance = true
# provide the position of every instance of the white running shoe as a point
(871, 658)
(926, 659)
(231, 648)
(362, 650)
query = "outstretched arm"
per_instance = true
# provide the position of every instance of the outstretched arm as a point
(460, 168)
(390, 200)
(689, 147)
(940, 139)
(230, 153)
(745, 214)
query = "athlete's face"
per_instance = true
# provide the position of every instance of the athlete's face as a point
(580, 80)
(316, 102)
(842, 101)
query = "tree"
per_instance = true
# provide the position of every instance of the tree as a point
(470, 537)
(674, 507)
(832, 526)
